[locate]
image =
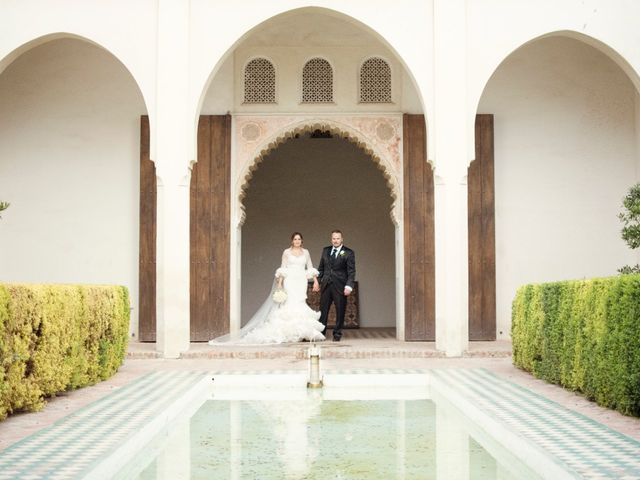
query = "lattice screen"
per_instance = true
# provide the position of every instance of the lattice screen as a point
(375, 81)
(317, 81)
(259, 82)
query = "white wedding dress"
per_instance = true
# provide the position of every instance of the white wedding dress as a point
(290, 321)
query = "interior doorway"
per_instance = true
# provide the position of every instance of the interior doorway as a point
(313, 183)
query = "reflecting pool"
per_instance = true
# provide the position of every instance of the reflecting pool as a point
(314, 434)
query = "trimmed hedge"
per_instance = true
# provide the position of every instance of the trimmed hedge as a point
(58, 337)
(583, 335)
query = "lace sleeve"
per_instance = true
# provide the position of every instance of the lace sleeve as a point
(311, 272)
(282, 271)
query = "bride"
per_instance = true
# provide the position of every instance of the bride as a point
(284, 317)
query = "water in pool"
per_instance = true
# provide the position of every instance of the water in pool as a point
(311, 437)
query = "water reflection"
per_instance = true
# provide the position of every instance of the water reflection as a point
(296, 434)
(296, 445)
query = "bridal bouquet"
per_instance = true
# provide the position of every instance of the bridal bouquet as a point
(279, 296)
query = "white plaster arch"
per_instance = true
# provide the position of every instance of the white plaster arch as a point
(386, 155)
(211, 55)
(19, 50)
(501, 56)
(379, 136)
(12, 53)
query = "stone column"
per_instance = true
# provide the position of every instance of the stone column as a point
(450, 127)
(172, 167)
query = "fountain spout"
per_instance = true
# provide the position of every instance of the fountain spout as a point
(314, 367)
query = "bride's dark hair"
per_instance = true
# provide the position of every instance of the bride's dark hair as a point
(293, 235)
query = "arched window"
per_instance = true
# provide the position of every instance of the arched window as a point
(317, 81)
(259, 81)
(375, 81)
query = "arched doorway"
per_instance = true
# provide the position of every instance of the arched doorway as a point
(565, 154)
(218, 185)
(313, 182)
(341, 47)
(69, 140)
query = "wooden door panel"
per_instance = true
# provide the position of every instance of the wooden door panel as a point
(419, 249)
(481, 226)
(210, 222)
(147, 242)
(209, 232)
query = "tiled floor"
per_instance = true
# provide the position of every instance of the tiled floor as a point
(71, 447)
(20, 426)
(583, 446)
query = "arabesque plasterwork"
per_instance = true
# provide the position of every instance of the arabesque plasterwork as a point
(380, 136)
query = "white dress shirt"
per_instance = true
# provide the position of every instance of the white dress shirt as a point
(336, 251)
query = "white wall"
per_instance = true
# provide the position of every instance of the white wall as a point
(345, 61)
(129, 30)
(565, 155)
(314, 186)
(220, 96)
(226, 91)
(69, 165)
(495, 28)
(216, 32)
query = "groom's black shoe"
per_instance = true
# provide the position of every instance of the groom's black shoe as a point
(336, 339)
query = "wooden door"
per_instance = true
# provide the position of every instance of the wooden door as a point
(209, 232)
(481, 224)
(419, 249)
(147, 253)
(210, 223)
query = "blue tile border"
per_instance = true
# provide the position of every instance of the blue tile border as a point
(73, 445)
(584, 447)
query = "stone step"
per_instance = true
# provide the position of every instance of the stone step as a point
(344, 350)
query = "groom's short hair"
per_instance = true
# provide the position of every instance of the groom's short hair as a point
(336, 231)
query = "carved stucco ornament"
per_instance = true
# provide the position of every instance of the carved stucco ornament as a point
(379, 136)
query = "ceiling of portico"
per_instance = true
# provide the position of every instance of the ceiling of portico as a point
(309, 29)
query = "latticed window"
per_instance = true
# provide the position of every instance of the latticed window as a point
(317, 81)
(375, 81)
(259, 82)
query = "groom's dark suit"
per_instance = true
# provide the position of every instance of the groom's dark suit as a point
(334, 274)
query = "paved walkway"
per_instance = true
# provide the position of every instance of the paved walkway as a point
(19, 426)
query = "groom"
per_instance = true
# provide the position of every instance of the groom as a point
(337, 274)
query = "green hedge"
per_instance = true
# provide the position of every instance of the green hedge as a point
(583, 335)
(58, 337)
